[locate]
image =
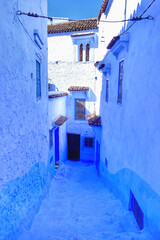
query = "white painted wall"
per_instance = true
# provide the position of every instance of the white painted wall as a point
(63, 47)
(66, 71)
(23, 119)
(57, 107)
(80, 126)
(115, 11)
(130, 131)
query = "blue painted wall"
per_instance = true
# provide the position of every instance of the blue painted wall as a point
(20, 199)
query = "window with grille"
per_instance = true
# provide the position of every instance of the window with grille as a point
(80, 109)
(38, 80)
(87, 52)
(107, 89)
(120, 81)
(50, 138)
(80, 52)
(88, 142)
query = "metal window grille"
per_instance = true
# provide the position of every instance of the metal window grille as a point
(121, 67)
(87, 52)
(80, 52)
(38, 80)
(88, 142)
(80, 109)
(107, 89)
(50, 138)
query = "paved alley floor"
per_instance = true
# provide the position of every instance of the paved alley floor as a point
(79, 207)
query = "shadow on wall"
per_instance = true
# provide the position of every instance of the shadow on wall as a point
(125, 183)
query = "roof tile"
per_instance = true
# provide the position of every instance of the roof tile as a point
(55, 95)
(103, 8)
(94, 120)
(72, 26)
(62, 119)
(78, 88)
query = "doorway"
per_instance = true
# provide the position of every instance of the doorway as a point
(73, 146)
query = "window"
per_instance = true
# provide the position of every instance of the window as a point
(88, 142)
(80, 109)
(38, 80)
(120, 80)
(87, 52)
(80, 53)
(107, 89)
(50, 138)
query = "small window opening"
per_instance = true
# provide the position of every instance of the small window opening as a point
(38, 80)
(87, 52)
(80, 52)
(120, 80)
(50, 138)
(88, 142)
(107, 89)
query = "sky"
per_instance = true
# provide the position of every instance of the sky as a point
(74, 9)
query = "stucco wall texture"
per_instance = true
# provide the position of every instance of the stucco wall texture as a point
(57, 107)
(131, 131)
(24, 120)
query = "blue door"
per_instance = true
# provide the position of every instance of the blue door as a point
(56, 137)
(97, 156)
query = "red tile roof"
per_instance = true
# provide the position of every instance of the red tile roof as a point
(72, 26)
(103, 8)
(94, 120)
(112, 42)
(55, 95)
(62, 119)
(78, 88)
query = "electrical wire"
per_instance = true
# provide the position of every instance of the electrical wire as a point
(33, 15)
(127, 20)
(30, 36)
(139, 17)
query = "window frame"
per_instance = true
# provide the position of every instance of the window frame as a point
(84, 100)
(89, 142)
(38, 80)
(51, 138)
(87, 52)
(120, 81)
(107, 90)
(80, 52)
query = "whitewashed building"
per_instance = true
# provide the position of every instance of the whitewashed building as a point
(24, 130)
(128, 146)
(72, 49)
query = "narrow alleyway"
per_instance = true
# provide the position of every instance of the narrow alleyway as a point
(79, 207)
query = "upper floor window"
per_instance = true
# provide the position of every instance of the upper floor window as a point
(38, 80)
(87, 52)
(80, 109)
(120, 80)
(107, 89)
(51, 138)
(80, 52)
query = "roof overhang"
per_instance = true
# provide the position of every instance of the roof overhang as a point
(118, 44)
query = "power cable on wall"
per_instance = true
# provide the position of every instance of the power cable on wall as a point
(139, 17)
(30, 36)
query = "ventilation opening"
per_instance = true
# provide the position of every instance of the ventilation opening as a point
(135, 208)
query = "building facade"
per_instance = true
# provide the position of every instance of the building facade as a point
(24, 132)
(129, 101)
(72, 49)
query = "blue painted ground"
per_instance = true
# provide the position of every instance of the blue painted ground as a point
(79, 207)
